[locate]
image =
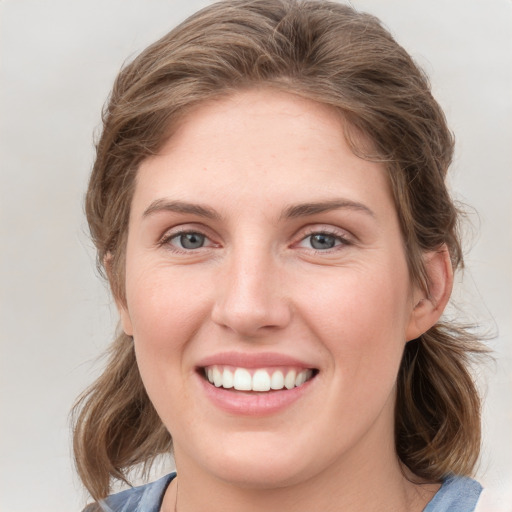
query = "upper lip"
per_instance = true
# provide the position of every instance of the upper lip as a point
(256, 360)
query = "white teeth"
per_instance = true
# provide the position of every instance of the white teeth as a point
(300, 379)
(277, 381)
(242, 380)
(217, 377)
(261, 380)
(303, 376)
(289, 380)
(227, 379)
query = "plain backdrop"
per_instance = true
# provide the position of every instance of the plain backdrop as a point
(58, 60)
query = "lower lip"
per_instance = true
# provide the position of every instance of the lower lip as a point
(253, 403)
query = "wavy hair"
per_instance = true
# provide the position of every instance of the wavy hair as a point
(332, 54)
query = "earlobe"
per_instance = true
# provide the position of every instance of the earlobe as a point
(126, 322)
(429, 306)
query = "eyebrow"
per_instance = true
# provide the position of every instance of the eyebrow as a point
(291, 212)
(163, 205)
(307, 209)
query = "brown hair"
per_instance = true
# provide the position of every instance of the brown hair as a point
(332, 54)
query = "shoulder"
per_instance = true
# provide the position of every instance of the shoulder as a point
(457, 494)
(145, 498)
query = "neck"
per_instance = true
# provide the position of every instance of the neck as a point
(373, 487)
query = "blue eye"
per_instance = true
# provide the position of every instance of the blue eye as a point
(188, 241)
(323, 241)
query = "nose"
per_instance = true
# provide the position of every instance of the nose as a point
(250, 299)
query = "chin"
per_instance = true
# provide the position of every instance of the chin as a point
(269, 474)
(267, 464)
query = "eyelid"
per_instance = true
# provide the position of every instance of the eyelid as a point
(184, 229)
(342, 235)
(325, 229)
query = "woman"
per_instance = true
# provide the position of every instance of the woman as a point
(269, 205)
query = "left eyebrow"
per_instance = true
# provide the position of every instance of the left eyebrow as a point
(163, 205)
(307, 209)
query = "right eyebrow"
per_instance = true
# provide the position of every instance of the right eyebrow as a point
(165, 205)
(308, 209)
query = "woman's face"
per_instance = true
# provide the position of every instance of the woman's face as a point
(262, 253)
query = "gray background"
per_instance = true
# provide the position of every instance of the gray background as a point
(58, 60)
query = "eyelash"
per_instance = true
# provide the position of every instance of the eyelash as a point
(342, 239)
(166, 240)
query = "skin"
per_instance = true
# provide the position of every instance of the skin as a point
(257, 285)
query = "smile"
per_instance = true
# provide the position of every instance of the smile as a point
(257, 379)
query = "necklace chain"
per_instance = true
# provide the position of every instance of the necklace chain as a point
(176, 500)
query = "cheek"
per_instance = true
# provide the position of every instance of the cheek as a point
(166, 313)
(361, 317)
(164, 304)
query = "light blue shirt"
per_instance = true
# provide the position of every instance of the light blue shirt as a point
(457, 494)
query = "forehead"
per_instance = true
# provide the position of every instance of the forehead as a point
(260, 147)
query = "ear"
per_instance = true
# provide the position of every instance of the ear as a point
(429, 306)
(126, 321)
(120, 300)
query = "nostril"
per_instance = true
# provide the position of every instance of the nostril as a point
(252, 321)
(250, 298)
